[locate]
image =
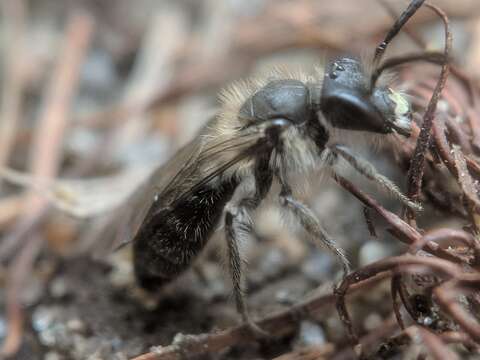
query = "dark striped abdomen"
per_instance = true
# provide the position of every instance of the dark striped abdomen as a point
(170, 238)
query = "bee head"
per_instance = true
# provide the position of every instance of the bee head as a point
(348, 101)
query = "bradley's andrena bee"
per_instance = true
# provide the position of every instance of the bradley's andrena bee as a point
(268, 130)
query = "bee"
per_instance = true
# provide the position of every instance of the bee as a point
(269, 130)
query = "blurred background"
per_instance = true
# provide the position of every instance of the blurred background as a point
(98, 93)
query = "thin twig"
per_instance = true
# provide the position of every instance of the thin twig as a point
(18, 272)
(446, 295)
(14, 18)
(440, 266)
(415, 173)
(45, 162)
(436, 347)
(279, 324)
(395, 285)
(400, 228)
(45, 154)
(317, 352)
(371, 340)
(368, 219)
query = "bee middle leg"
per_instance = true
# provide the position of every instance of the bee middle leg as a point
(307, 219)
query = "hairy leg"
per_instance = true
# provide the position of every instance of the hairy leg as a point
(312, 226)
(233, 220)
(238, 223)
(247, 197)
(368, 170)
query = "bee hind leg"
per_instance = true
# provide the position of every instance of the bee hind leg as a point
(238, 223)
(233, 222)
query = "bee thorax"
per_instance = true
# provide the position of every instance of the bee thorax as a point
(283, 99)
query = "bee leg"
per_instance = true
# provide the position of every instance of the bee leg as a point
(312, 226)
(238, 223)
(237, 220)
(368, 170)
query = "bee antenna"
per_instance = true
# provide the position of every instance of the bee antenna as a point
(434, 57)
(440, 58)
(395, 29)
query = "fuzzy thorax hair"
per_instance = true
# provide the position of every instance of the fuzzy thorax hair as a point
(234, 96)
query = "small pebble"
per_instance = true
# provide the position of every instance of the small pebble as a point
(372, 321)
(32, 292)
(372, 251)
(98, 71)
(318, 266)
(76, 325)
(272, 263)
(310, 334)
(426, 321)
(286, 297)
(58, 287)
(42, 318)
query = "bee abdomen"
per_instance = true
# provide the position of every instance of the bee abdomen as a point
(171, 238)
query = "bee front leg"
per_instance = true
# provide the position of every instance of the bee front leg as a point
(307, 219)
(368, 170)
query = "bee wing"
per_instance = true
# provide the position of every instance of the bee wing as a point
(116, 229)
(207, 156)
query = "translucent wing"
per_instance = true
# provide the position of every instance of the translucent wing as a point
(119, 227)
(211, 154)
